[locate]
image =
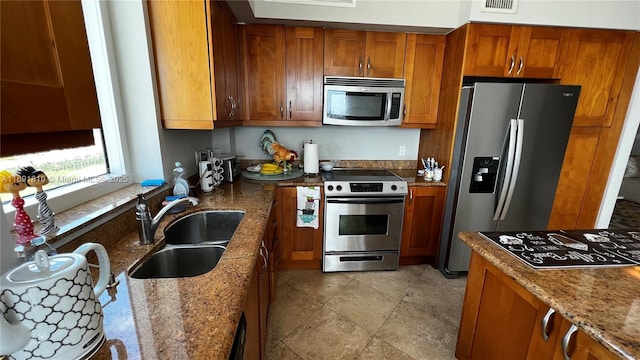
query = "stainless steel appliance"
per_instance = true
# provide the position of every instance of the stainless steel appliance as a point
(363, 213)
(358, 101)
(239, 340)
(231, 168)
(508, 153)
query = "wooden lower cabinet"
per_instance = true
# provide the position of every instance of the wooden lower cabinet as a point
(502, 320)
(261, 293)
(273, 246)
(252, 347)
(423, 212)
(300, 247)
(256, 309)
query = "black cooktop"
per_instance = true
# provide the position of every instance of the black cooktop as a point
(571, 248)
(359, 175)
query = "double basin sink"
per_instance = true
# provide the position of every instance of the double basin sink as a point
(193, 245)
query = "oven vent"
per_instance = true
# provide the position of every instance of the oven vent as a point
(499, 6)
(365, 82)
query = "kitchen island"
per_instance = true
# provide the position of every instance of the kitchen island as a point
(506, 303)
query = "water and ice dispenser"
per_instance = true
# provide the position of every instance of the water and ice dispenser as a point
(484, 175)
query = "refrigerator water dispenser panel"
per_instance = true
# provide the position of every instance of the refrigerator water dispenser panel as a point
(485, 173)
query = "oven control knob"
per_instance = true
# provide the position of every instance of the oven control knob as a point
(330, 187)
(394, 188)
(339, 187)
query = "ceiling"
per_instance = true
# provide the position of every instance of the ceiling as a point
(244, 14)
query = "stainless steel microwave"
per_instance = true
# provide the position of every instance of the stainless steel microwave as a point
(358, 101)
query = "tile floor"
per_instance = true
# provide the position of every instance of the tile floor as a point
(411, 313)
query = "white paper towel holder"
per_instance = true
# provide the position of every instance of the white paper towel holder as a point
(311, 159)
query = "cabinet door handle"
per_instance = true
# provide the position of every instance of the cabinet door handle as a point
(521, 66)
(565, 341)
(234, 106)
(545, 323)
(513, 63)
(227, 101)
(411, 194)
(368, 65)
(360, 65)
(281, 111)
(263, 251)
(290, 110)
(266, 251)
(404, 110)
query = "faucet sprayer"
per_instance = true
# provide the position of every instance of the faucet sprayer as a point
(149, 225)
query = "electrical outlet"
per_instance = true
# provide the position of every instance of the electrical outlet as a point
(403, 150)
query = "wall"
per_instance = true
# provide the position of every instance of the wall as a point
(335, 142)
(628, 135)
(425, 13)
(635, 150)
(153, 150)
(609, 14)
(613, 14)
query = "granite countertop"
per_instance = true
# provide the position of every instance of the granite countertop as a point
(193, 317)
(186, 318)
(410, 175)
(604, 302)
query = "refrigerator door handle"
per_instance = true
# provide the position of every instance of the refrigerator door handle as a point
(513, 130)
(516, 167)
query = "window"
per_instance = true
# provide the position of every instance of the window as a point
(62, 167)
(85, 172)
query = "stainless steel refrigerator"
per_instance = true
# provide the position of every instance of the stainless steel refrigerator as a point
(508, 152)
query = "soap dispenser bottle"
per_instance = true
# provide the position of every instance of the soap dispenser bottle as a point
(180, 184)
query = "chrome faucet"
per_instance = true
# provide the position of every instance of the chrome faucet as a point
(148, 225)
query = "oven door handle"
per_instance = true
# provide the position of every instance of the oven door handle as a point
(365, 201)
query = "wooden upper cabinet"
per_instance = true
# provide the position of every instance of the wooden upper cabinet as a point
(344, 52)
(184, 85)
(263, 54)
(190, 40)
(385, 54)
(304, 73)
(47, 79)
(539, 51)
(225, 54)
(368, 54)
(487, 50)
(283, 75)
(514, 51)
(424, 59)
(596, 60)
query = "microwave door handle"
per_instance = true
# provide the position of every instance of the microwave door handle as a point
(387, 111)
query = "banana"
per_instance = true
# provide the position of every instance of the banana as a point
(270, 169)
(270, 166)
(271, 172)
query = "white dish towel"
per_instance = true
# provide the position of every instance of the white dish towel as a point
(308, 206)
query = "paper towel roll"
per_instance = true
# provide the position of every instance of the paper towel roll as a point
(311, 160)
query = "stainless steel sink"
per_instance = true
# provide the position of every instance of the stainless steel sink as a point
(193, 245)
(203, 227)
(179, 261)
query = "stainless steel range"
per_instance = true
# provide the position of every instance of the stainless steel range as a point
(363, 216)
